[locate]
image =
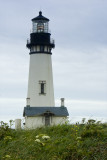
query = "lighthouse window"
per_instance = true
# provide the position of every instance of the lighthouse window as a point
(46, 49)
(42, 87)
(46, 27)
(34, 49)
(42, 48)
(40, 27)
(38, 48)
(34, 27)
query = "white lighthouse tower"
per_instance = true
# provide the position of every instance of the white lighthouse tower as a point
(40, 84)
(40, 109)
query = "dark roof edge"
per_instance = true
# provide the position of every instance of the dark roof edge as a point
(39, 111)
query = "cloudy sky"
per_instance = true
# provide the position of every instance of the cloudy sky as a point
(79, 28)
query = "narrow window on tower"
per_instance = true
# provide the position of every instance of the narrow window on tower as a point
(42, 85)
(42, 88)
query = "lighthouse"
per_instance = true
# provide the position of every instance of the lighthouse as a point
(40, 83)
(40, 107)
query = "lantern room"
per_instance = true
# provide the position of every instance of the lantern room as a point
(40, 24)
(40, 39)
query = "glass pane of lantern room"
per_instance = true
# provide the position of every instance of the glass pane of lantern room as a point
(40, 27)
(46, 27)
(34, 27)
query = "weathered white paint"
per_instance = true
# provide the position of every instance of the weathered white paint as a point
(33, 122)
(39, 121)
(40, 70)
(58, 120)
(17, 124)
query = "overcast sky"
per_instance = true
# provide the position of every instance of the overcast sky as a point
(79, 59)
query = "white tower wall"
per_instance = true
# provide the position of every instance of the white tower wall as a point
(40, 70)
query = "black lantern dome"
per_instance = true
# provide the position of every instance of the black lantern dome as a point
(40, 40)
(40, 17)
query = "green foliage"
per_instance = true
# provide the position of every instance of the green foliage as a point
(4, 130)
(86, 141)
(92, 129)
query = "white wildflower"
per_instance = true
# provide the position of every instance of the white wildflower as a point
(45, 137)
(37, 136)
(78, 138)
(37, 140)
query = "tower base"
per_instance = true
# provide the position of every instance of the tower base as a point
(36, 117)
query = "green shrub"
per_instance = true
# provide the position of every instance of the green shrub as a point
(4, 130)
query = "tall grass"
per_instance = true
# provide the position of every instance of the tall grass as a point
(84, 141)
